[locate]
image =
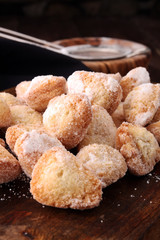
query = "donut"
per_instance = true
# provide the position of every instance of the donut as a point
(134, 78)
(105, 162)
(59, 181)
(118, 115)
(30, 146)
(42, 89)
(9, 166)
(156, 117)
(155, 129)
(67, 117)
(5, 114)
(22, 114)
(100, 88)
(139, 148)
(101, 130)
(142, 103)
(10, 99)
(15, 131)
(21, 89)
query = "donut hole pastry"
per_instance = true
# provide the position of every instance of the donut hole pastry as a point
(134, 78)
(101, 130)
(15, 131)
(139, 148)
(59, 181)
(67, 117)
(30, 146)
(142, 103)
(118, 115)
(42, 89)
(100, 88)
(21, 89)
(25, 115)
(9, 166)
(155, 129)
(156, 117)
(104, 161)
(5, 114)
(10, 99)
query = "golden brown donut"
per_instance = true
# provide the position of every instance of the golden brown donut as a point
(9, 166)
(5, 114)
(104, 161)
(155, 129)
(42, 89)
(30, 146)
(139, 148)
(59, 181)
(15, 131)
(10, 99)
(21, 89)
(118, 115)
(156, 117)
(101, 130)
(68, 117)
(100, 88)
(25, 115)
(134, 78)
(142, 103)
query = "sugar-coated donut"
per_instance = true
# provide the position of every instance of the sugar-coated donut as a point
(10, 99)
(68, 117)
(139, 148)
(9, 166)
(42, 89)
(134, 78)
(15, 131)
(21, 89)
(5, 114)
(118, 115)
(142, 103)
(104, 161)
(156, 117)
(100, 88)
(30, 146)
(101, 130)
(25, 115)
(59, 181)
(155, 129)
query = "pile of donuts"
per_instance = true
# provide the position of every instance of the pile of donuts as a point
(75, 137)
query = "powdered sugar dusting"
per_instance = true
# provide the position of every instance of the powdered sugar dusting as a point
(36, 142)
(140, 74)
(111, 84)
(141, 118)
(75, 85)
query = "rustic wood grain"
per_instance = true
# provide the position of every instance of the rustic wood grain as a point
(129, 209)
(123, 66)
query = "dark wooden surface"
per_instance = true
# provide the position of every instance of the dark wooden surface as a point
(130, 208)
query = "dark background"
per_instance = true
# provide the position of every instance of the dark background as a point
(135, 20)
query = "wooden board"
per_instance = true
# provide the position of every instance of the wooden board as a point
(127, 211)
